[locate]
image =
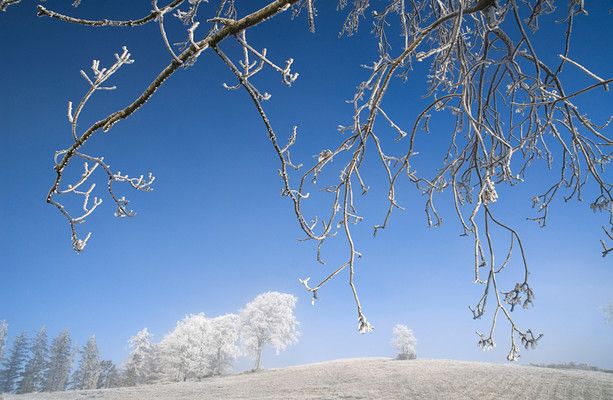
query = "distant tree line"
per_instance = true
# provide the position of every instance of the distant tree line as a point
(198, 347)
(35, 365)
(573, 365)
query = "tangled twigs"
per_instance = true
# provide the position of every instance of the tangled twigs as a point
(105, 124)
(100, 76)
(507, 106)
(510, 108)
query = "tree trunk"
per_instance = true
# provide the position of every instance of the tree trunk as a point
(258, 358)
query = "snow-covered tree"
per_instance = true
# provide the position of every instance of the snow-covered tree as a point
(268, 320)
(109, 375)
(140, 366)
(34, 375)
(186, 351)
(224, 342)
(4, 327)
(60, 363)
(12, 367)
(199, 347)
(404, 341)
(87, 374)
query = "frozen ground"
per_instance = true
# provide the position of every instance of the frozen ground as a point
(373, 378)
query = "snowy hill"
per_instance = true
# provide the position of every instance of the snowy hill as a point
(372, 378)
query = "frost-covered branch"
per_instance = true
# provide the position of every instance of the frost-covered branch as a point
(510, 108)
(4, 4)
(152, 16)
(507, 107)
(101, 75)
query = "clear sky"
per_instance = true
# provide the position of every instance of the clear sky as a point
(215, 232)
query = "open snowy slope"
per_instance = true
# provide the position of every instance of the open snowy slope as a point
(373, 379)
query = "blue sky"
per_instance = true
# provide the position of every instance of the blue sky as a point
(215, 232)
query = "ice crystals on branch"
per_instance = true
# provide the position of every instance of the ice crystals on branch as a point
(140, 183)
(5, 3)
(489, 194)
(529, 340)
(513, 353)
(79, 244)
(485, 343)
(363, 325)
(305, 283)
(516, 296)
(101, 75)
(250, 68)
(63, 157)
(324, 155)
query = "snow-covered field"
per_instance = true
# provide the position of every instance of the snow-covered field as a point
(372, 378)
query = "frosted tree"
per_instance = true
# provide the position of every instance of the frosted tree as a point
(404, 341)
(35, 370)
(607, 312)
(174, 355)
(109, 375)
(60, 363)
(186, 352)
(224, 342)
(87, 373)
(268, 320)
(155, 364)
(140, 366)
(504, 103)
(4, 327)
(12, 368)
(199, 347)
